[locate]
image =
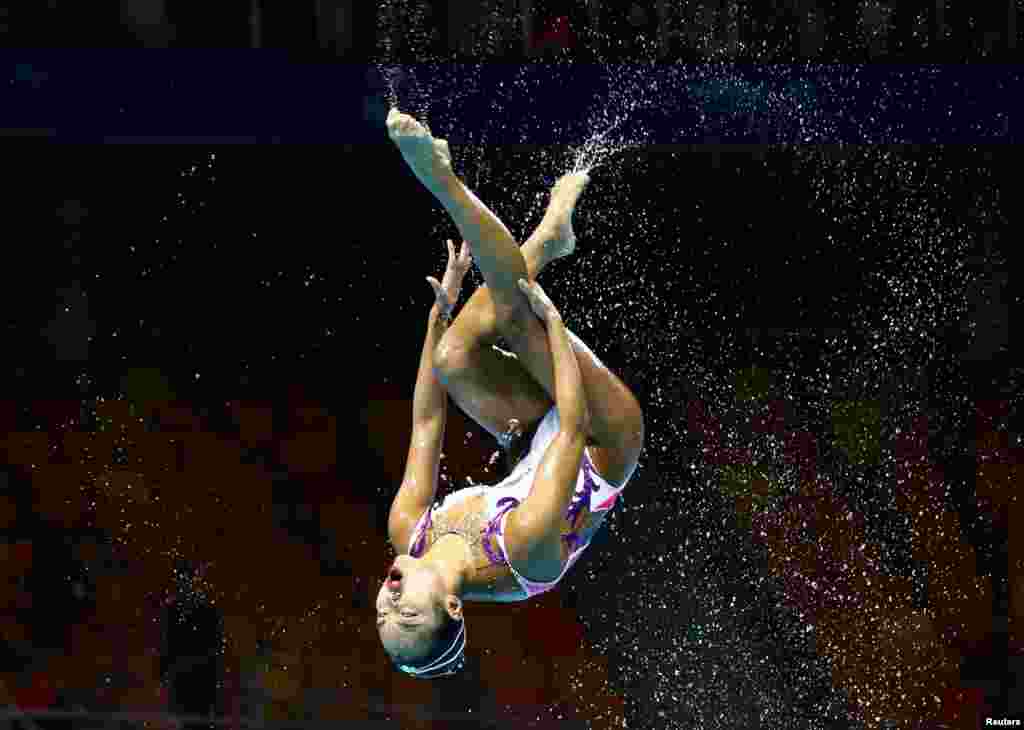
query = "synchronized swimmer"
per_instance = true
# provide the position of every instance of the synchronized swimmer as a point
(570, 429)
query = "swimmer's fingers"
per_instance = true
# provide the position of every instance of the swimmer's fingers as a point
(542, 306)
(441, 296)
(465, 256)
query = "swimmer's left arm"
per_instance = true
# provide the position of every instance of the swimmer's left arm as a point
(429, 407)
(422, 464)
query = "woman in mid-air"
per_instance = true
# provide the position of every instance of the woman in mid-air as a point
(571, 431)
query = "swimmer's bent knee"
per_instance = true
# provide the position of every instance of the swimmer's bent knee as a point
(451, 356)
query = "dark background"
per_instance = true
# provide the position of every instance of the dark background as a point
(237, 327)
(780, 31)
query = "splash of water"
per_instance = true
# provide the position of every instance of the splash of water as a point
(895, 200)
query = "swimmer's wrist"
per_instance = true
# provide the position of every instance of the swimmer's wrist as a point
(439, 317)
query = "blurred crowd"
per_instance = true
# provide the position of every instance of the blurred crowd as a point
(779, 30)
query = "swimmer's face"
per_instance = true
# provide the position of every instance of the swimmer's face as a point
(410, 609)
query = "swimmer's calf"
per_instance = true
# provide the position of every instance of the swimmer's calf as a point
(495, 251)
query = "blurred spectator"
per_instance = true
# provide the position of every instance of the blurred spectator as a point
(334, 19)
(488, 28)
(813, 23)
(876, 27)
(550, 26)
(195, 25)
(556, 33)
(147, 21)
(643, 27)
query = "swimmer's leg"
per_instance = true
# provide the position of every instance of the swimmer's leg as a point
(488, 384)
(494, 249)
(554, 237)
(616, 416)
(496, 252)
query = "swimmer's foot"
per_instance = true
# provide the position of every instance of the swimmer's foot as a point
(429, 158)
(556, 227)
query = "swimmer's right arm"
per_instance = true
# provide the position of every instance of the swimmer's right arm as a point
(570, 398)
(536, 524)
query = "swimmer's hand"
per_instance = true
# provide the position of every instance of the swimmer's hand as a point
(539, 301)
(447, 292)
